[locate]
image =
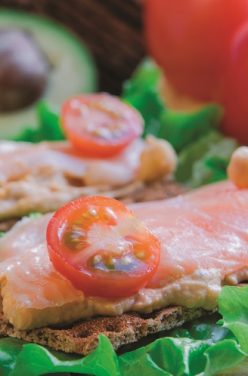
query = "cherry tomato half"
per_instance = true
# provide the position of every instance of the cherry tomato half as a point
(98, 244)
(100, 125)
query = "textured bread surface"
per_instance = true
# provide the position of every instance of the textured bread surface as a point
(82, 337)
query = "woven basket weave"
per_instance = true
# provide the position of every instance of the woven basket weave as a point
(112, 29)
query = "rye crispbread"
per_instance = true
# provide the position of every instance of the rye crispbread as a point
(82, 337)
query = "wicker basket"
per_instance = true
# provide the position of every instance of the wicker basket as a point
(112, 29)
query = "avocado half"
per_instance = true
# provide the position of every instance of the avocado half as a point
(72, 68)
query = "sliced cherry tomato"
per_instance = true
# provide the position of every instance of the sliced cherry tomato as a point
(100, 125)
(102, 248)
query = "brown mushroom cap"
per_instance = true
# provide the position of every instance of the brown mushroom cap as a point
(24, 70)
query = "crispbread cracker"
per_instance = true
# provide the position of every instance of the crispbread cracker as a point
(82, 337)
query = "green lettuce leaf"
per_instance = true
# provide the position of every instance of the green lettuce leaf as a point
(203, 329)
(49, 126)
(205, 160)
(9, 350)
(49, 122)
(234, 309)
(181, 128)
(223, 356)
(212, 167)
(142, 92)
(166, 356)
(200, 353)
(28, 134)
(193, 153)
(18, 359)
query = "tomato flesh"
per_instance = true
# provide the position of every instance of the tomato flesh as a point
(98, 244)
(100, 125)
(195, 42)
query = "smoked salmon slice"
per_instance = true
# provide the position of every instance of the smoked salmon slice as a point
(202, 230)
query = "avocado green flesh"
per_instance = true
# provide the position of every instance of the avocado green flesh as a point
(73, 70)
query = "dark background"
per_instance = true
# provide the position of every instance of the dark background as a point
(112, 29)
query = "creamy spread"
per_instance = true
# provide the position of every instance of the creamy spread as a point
(200, 289)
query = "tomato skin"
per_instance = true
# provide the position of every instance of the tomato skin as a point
(100, 125)
(92, 281)
(190, 39)
(195, 41)
(233, 91)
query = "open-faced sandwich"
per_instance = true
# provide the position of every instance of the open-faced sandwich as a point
(97, 266)
(99, 274)
(104, 154)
